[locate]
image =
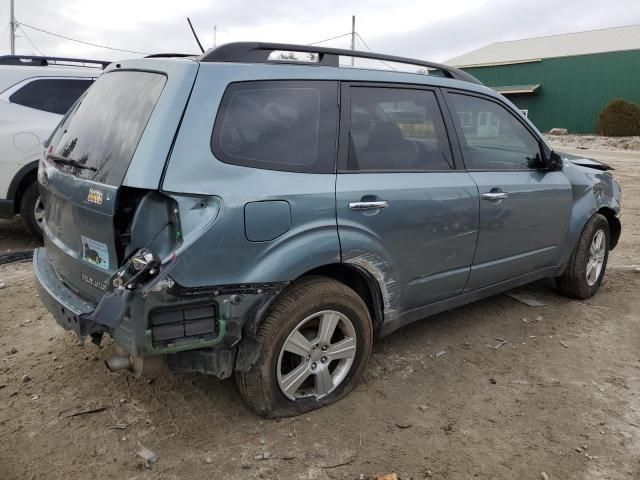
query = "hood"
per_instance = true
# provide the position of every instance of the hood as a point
(586, 162)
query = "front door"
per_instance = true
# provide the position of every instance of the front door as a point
(405, 213)
(524, 211)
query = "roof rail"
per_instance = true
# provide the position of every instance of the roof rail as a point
(169, 55)
(40, 61)
(258, 52)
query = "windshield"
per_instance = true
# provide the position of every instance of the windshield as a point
(99, 137)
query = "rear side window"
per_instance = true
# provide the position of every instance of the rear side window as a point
(494, 139)
(53, 95)
(396, 129)
(102, 132)
(278, 125)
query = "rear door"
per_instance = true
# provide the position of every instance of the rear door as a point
(524, 211)
(405, 212)
(85, 166)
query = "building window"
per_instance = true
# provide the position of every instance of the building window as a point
(466, 119)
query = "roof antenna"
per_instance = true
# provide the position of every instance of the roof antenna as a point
(196, 36)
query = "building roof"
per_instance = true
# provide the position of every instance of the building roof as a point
(565, 45)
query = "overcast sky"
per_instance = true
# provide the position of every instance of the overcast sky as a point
(428, 29)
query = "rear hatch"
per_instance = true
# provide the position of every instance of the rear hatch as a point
(106, 158)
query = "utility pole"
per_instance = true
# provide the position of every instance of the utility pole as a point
(12, 28)
(215, 34)
(353, 35)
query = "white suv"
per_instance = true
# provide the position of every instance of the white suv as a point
(35, 93)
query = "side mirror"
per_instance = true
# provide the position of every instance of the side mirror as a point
(550, 160)
(553, 161)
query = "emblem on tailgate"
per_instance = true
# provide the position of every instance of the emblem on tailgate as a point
(95, 196)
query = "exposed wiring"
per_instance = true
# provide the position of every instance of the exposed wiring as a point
(29, 40)
(80, 41)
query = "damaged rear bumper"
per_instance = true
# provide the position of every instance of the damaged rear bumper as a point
(66, 307)
(198, 329)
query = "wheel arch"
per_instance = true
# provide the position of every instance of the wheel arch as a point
(615, 227)
(20, 182)
(353, 276)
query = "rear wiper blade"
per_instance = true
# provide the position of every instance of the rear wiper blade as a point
(69, 161)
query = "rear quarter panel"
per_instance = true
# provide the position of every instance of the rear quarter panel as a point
(222, 254)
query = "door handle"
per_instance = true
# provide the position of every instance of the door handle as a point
(368, 205)
(493, 196)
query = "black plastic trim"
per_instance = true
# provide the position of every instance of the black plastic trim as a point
(43, 61)
(6, 209)
(258, 52)
(20, 175)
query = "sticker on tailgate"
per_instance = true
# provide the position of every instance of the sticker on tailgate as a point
(95, 253)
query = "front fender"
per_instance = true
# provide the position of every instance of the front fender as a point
(593, 190)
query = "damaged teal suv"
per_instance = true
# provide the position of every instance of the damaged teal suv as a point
(240, 214)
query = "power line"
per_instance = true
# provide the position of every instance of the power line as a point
(29, 40)
(367, 47)
(80, 41)
(327, 39)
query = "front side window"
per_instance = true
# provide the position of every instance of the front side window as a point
(494, 139)
(53, 95)
(278, 125)
(396, 129)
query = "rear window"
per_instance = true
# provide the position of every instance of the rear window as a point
(278, 125)
(53, 95)
(104, 129)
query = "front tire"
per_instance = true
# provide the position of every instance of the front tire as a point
(32, 210)
(312, 349)
(583, 276)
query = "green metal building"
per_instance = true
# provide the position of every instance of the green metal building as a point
(562, 80)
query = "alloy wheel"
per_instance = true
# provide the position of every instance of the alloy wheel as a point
(317, 355)
(597, 252)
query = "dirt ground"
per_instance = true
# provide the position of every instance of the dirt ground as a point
(561, 396)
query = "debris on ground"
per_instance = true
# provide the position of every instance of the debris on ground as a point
(87, 412)
(544, 476)
(403, 425)
(387, 476)
(564, 344)
(502, 342)
(439, 354)
(118, 426)
(13, 350)
(148, 456)
(526, 298)
(2, 285)
(26, 378)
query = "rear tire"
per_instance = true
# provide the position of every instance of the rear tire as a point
(32, 210)
(319, 329)
(583, 276)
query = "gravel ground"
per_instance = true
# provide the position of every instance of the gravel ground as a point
(561, 396)
(594, 142)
